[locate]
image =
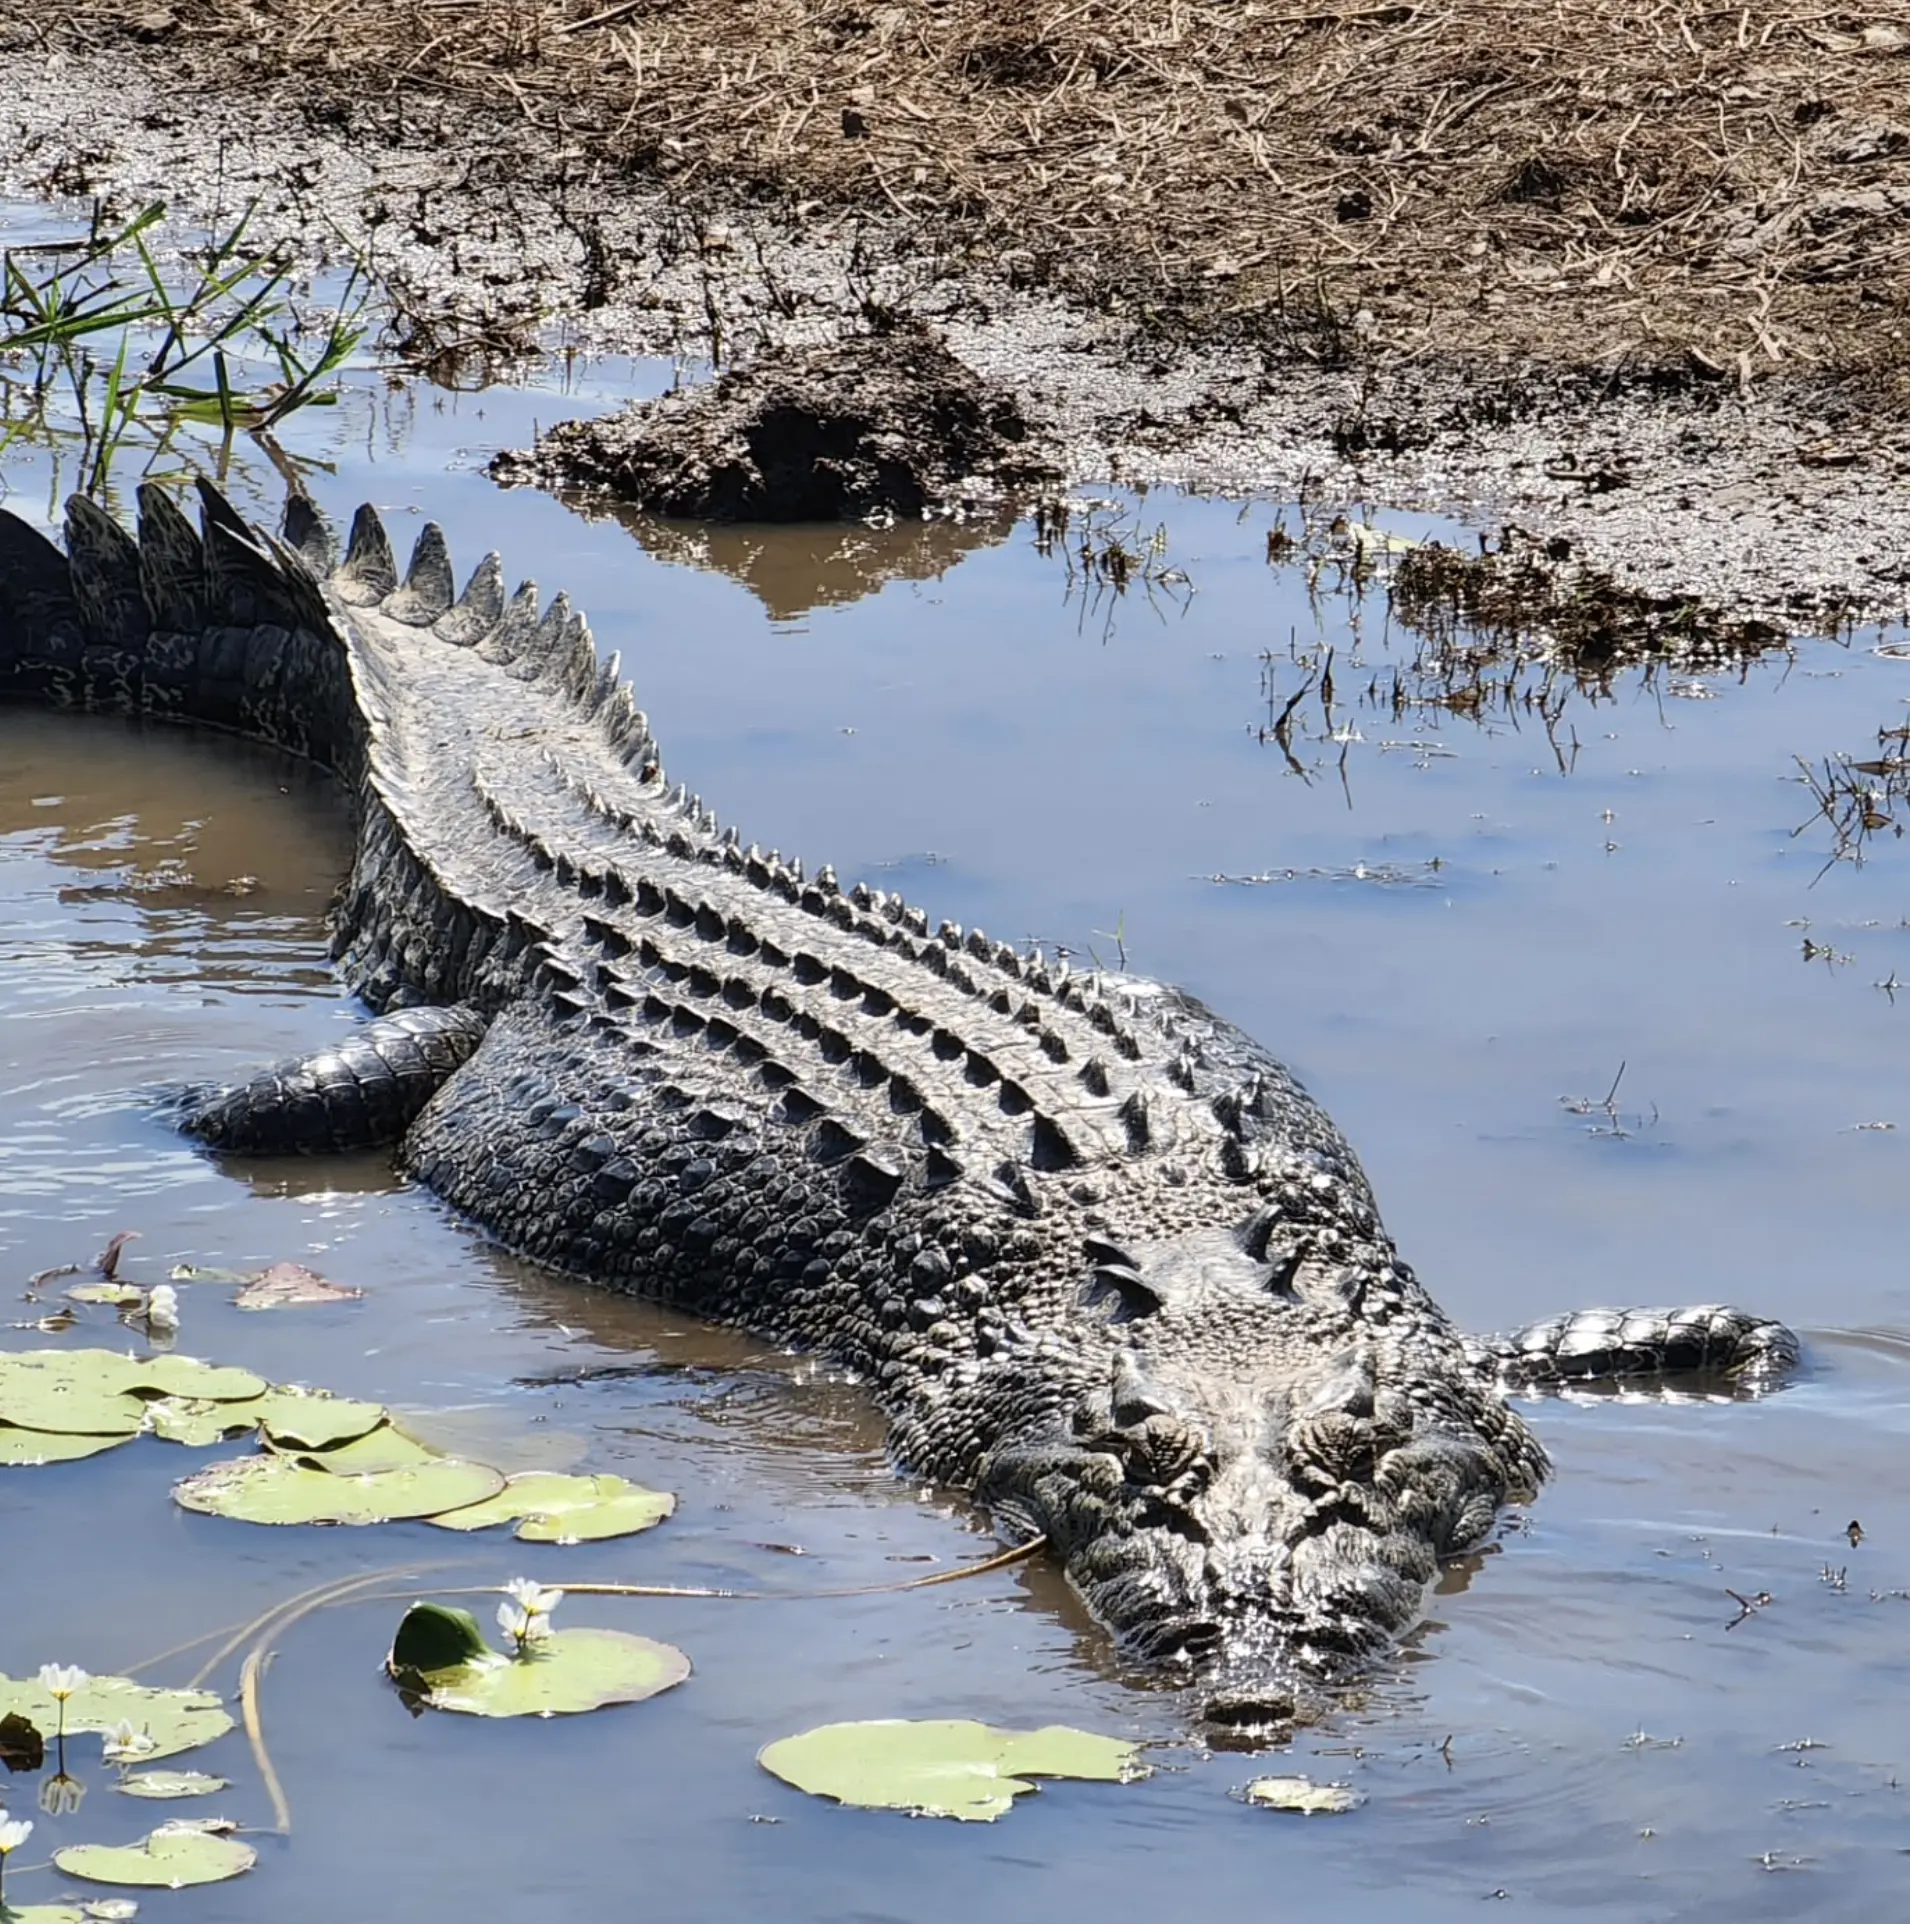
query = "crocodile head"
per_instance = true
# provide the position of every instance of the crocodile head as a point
(1258, 1477)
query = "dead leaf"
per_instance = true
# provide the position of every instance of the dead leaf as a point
(288, 1285)
(107, 1261)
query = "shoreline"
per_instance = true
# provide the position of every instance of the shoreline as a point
(1783, 501)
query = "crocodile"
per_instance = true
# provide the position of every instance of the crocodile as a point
(1102, 1262)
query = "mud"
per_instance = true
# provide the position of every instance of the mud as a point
(1775, 499)
(872, 428)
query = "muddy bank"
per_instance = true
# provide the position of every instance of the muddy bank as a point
(1773, 495)
(875, 428)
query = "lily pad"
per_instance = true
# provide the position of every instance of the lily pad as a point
(566, 1509)
(187, 1376)
(1302, 1794)
(281, 1489)
(296, 1419)
(947, 1767)
(435, 1636)
(174, 1720)
(97, 1392)
(118, 1295)
(29, 1449)
(70, 1392)
(170, 1783)
(173, 1856)
(567, 1672)
(385, 1448)
(111, 1910)
(196, 1422)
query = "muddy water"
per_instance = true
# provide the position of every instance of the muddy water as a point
(1445, 933)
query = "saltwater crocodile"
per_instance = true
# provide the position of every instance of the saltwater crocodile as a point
(1100, 1259)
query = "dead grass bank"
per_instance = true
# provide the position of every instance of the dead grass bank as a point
(1721, 189)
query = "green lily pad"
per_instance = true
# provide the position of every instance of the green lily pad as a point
(1302, 1794)
(296, 1419)
(98, 1392)
(118, 1295)
(29, 1449)
(566, 1672)
(196, 1422)
(280, 1489)
(566, 1509)
(173, 1856)
(170, 1783)
(435, 1636)
(111, 1910)
(947, 1767)
(174, 1720)
(385, 1448)
(72, 1393)
(187, 1376)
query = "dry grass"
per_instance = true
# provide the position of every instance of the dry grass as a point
(1723, 188)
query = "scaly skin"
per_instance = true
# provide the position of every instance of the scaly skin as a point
(1098, 1256)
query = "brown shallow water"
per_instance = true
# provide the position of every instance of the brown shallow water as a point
(1449, 940)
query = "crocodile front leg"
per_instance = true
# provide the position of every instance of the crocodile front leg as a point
(362, 1092)
(1707, 1340)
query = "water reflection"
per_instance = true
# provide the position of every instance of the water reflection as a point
(793, 570)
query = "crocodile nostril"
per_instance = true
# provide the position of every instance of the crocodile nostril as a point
(1242, 1707)
(1249, 1720)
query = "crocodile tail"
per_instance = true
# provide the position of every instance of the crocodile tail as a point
(218, 624)
(1707, 1344)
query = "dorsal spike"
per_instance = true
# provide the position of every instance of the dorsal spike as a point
(479, 609)
(103, 564)
(539, 658)
(429, 587)
(574, 663)
(609, 683)
(515, 632)
(244, 585)
(172, 564)
(369, 571)
(310, 533)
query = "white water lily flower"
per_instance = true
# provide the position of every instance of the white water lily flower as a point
(523, 1627)
(60, 1680)
(532, 1598)
(124, 1743)
(14, 1832)
(162, 1308)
